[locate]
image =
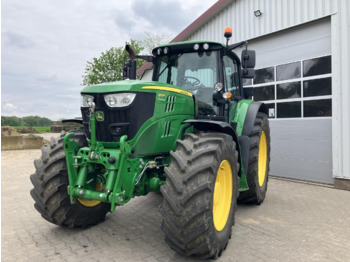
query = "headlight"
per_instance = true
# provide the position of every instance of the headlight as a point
(218, 87)
(119, 100)
(86, 100)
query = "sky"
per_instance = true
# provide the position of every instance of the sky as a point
(45, 45)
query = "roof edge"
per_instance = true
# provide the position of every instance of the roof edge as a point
(205, 17)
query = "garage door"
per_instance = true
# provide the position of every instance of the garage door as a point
(293, 78)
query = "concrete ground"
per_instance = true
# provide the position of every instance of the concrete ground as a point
(297, 222)
(47, 136)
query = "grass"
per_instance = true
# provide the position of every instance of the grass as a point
(40, 129)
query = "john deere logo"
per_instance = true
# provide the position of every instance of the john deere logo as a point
(100, 116)
(161, 97)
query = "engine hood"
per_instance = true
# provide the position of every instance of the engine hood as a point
(133, 86)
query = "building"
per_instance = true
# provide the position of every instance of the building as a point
(302, 74)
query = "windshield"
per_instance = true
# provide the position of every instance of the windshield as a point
(195, 72)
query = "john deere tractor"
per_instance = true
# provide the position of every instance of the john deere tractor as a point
(190, 133)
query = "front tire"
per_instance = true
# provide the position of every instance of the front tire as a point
(200, 194)
(50, 182)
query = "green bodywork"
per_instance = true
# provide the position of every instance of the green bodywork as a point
(130, 168)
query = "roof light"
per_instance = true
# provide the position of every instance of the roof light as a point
(228, 32)
(166, 50)
(196, 47)
(159, 51)
(206, 46)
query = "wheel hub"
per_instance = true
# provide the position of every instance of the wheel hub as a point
(222, 197)
(91, 203)
(262, 159)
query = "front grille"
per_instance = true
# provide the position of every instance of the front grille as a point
(119, 121)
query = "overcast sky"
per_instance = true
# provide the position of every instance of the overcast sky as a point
(45, 45)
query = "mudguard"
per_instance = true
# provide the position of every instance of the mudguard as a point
(217, 126)
(253, 110)
(244, 140)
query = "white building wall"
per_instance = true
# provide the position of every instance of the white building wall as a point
(147, 76)
(341, 90)
(278, 15)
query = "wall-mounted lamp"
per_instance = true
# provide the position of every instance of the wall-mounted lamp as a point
(257, 13)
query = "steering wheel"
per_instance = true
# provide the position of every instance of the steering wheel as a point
(195, 83)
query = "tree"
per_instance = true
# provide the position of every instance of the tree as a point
(10, 121)
(36, 121)
(25, 121)
(153, 40)
(109, 66)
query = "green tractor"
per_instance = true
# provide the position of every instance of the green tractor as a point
(189, 134)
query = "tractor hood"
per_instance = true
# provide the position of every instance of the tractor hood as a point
(155, 110)
(133, 86)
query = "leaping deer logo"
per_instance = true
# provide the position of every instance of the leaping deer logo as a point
(100, 116)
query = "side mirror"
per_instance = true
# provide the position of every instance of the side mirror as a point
(248, 58)
(247, 73)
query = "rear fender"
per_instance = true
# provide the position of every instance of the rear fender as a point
(253, 110)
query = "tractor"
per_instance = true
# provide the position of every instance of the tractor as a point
(191, 133)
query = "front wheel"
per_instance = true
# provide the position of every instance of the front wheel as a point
(200, 194)
(50, 182)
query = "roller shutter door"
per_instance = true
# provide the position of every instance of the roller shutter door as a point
(293, 78)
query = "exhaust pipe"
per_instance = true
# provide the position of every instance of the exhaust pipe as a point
(129, 70)
(130, 52)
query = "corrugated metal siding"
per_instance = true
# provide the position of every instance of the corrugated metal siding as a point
(282, 14)
(341, 90)
(302, 42)
(276, 15)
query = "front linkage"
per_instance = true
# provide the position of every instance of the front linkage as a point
(105, 172)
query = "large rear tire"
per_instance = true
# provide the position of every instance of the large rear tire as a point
(259, 162)
(50, 182)
(200, 194)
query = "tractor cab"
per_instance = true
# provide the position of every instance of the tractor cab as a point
(209, 70)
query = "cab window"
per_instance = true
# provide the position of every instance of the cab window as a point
(196, 72)
(231, 77)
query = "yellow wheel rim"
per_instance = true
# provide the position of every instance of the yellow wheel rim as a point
(91, 203)
(222, 195)
(262, 159)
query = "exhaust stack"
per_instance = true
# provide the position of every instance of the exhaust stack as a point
(129, 69)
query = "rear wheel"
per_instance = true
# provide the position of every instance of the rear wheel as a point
(200, 194)
(50, 183)
(259, 162)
